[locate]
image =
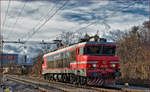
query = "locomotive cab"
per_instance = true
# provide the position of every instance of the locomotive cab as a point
(101, 61)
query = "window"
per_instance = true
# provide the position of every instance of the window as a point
(73, 55)
(4, 57)
(61, 60)
(50, 63)
(108, 50)
(15, 57)
(49, 58)
(81, 51)
(98, 51)
(93, 50)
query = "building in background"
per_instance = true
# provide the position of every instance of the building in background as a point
(17, 59)
(9, 58)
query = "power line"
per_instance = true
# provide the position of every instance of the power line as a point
(41, 19)
(5, 18)
(102, 19)
(19, 14)
(105, 17)
(38, 29)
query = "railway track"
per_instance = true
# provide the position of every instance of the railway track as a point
(35, 86)
(118, 88)
(47, 86)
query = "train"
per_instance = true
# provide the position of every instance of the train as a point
(85, 63)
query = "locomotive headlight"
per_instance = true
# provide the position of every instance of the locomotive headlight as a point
(94, 65)
(113, 65)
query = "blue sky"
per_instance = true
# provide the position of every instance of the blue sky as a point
(105, 15)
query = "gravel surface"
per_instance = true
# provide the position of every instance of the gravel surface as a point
(15, 87)
(18, 87)
(49, 86)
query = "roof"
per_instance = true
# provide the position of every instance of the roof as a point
(79, 44)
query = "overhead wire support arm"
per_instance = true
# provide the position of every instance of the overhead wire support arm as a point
(23, 42)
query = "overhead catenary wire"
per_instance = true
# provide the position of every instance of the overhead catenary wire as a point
(47, 20)
(87, 25)
(118, 10)
(17, 19)
(41, 19)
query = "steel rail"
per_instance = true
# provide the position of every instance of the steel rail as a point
(111, 89)
(37, 85)
(56, 85)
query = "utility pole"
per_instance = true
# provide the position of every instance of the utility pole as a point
(1, 51)
(1, 47)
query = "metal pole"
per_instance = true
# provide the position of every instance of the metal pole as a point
(1, 44)
(1, 51)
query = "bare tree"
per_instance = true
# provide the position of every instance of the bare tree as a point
(70, 37)
(133, 51)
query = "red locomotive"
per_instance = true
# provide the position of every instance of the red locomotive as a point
(92, 63)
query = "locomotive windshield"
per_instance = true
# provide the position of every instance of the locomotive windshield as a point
(99, 50)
